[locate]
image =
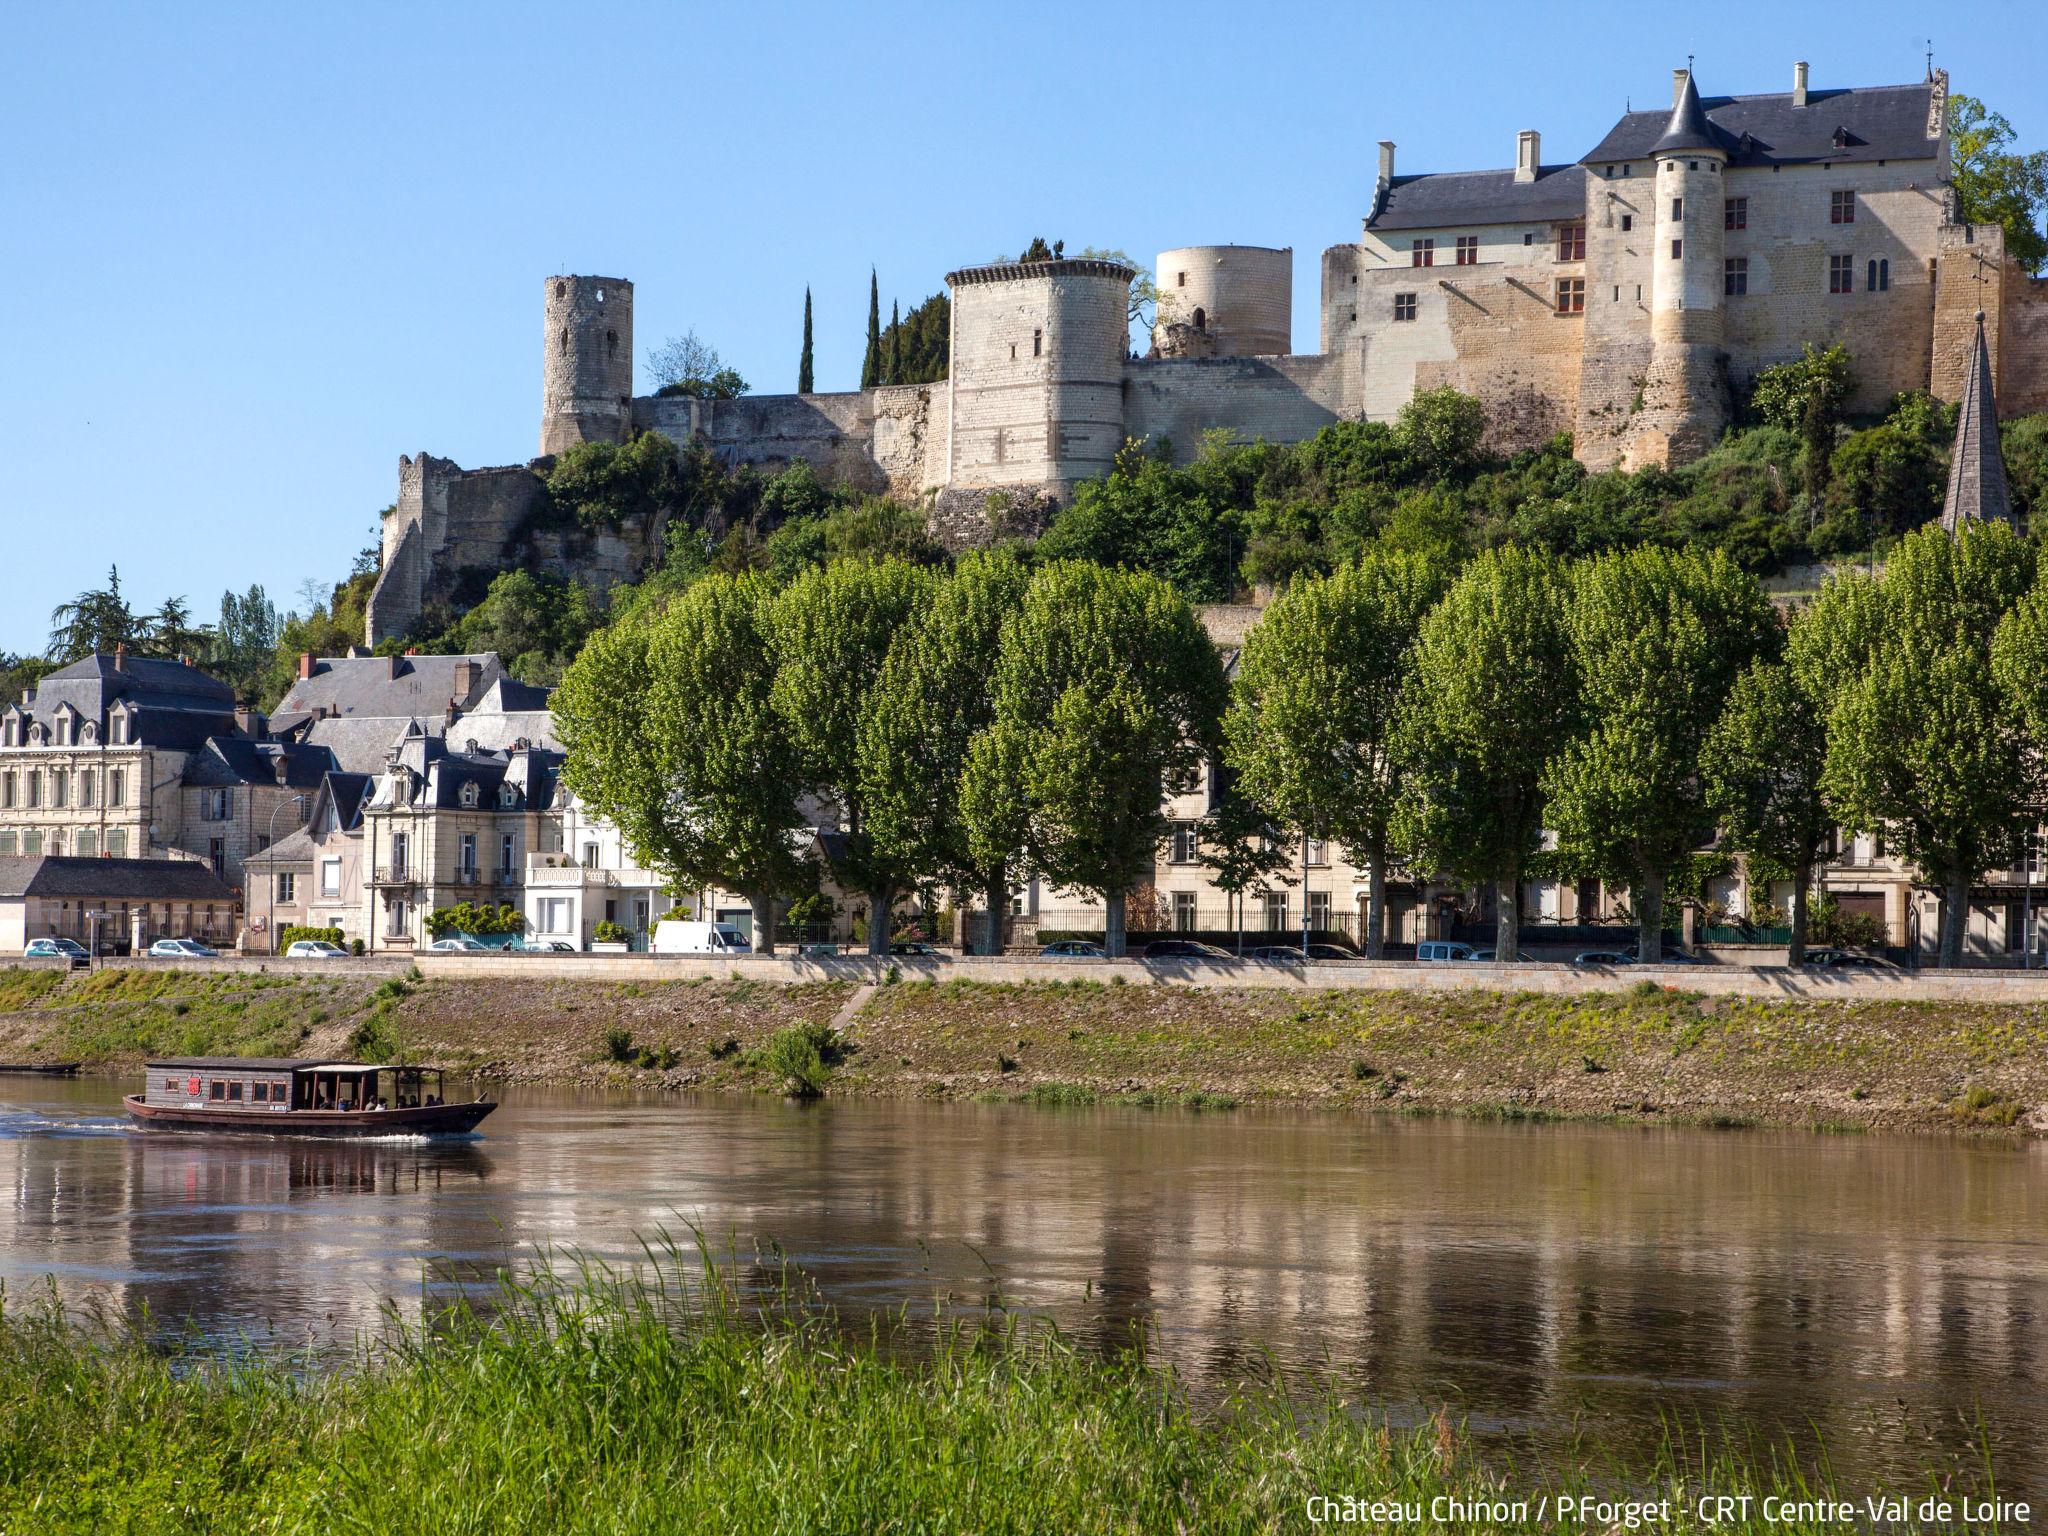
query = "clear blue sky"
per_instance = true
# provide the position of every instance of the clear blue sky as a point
(252, 254)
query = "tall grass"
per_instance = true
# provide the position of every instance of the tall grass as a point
(584, 1399)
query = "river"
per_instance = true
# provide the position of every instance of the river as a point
(1549, 1284)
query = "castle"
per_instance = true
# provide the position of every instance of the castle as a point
(1623, 297)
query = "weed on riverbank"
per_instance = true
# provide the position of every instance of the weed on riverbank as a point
(585, 1400)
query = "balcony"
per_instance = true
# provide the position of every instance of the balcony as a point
(386, 875)
(569, 877)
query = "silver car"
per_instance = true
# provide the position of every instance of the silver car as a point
(182, 949)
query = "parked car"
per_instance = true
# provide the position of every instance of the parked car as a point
(1184, 949)
(914, 947)
(182, 949)
(681, 936)
(546, 947)
(1845, 960)
(1489, 952)
(1443, 952)
(1071, 949)
(1670, 955)
(458, 943)
(314, 949)
(57, 949)
(818, 949)
(1293, 952)
(1603, 957)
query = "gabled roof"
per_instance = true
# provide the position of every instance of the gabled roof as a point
(391, 687)
(1977, 487)
(1859, 124)
(1462, 198)
(173, 705)
(238, 760)
(115, 879)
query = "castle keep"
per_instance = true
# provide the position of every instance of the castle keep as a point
(1624, 297)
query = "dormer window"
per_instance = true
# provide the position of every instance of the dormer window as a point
(91, 733)
(507, 796)
(469, 795)
(36, 734)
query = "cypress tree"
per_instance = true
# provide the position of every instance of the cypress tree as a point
(895, 342)
(804, 379)
(871, 364)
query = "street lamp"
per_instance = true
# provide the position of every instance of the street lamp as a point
(270, 920)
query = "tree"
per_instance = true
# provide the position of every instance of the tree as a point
(829, 632)
(245, 640)
(871, 360)
(96, 620)
(170, 632)
(1493, 691)
(1242, 850)
(670, 733)
(1807, 396)
(1144, 299)
(1441, 430)
(1993, 185)
(684, 365)
(1923, 741)
(1313, 708)
(1106, 689)
(804, 376)
(920, 344)
(600, 487)
(895, 343)
(923, 715)
(1761, 765)
(1658, 638)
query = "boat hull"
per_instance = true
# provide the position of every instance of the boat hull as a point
(427, 1120)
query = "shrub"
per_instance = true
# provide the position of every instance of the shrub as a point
(801, 1058)
(374, 1039)
(355, 946)
(473, 917)
(1828, 923)
(723, 1050)
(608, 932)
(295, 933)
(618, 1045)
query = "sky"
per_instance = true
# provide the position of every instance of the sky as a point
(250, 255)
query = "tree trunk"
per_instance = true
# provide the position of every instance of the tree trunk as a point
(1507, 932)
(997, 895)
(764, 921)
(1955, 921)
(1375, 905)
(1113, 926)
(881, 904)
(1650, 919)
(1795, 950)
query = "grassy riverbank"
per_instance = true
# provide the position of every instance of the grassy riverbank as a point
(652, 1403)
(1635, 1054)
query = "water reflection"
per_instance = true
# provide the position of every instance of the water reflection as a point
(1546, 1281)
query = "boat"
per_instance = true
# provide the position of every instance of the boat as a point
(293, 1096)
(41, 1068)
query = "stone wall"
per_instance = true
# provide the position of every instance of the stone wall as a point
(1973, 273)
(1281, 399)
(448, 521)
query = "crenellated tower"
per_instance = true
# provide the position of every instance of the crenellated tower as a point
(587, 362)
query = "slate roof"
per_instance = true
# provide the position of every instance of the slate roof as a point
(388, 687)
(1459, 198)
(1688, 128)
(236, 1063)
(237, 760)
(175, 706)
(1976, 471)
(150, 879)
(1878, 122)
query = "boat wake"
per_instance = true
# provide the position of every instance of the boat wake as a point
(20, 1124)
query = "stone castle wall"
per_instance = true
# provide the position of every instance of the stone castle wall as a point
(1281, 399)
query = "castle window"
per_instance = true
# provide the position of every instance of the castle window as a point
(1201, 318)
(1529, 238)
(611, 344)
(1628, 222)
(1038, 337)
(7, 790)
(1571, 242)
(469, 795)
(563, 344)
(1841, 274)
(117, 844)
(1422, 253)
(1735, 213)
(1628, 170)
(1181, 280)
(1468, 250)
(1842, 207)
(1677, 249)
(1879, 279)
(1571, 295)
(1404, 306)
(1678, 210)
(1735, 275)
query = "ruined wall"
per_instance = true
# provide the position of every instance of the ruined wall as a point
(447, 520)
(1280, 399)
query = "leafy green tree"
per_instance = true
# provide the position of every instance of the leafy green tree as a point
(536, 621)
(1923, 741)
(1150, 515)
(1441, 429)
(923, 715)
(1889, 477)
(1313, 709)
(245, 640)
(19, 673)
(871, 360)
(1994, 185)
(1761, 764)
(600, 487)
(829, 633)
(98, 619)
(1658, 638)
(1243, 851)
(1106, 689)
(170, 632)
(1807, 396)
(804, 375)
(684, 365)
(920, 343)
(1493, 691)
(671, 734)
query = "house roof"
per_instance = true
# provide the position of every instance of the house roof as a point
(149, 879)
(238, 760)
(270, 1064)
(1977, 486)
(391, 687)
(1688, 128)
(174, 705)
(1860, 123)
(1461, 198)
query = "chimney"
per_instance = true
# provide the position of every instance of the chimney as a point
(1799, 84)
(468, 674)
(1386, 164)
(1528, 154)
(1678, 86)
(305, 665)
(120, 655)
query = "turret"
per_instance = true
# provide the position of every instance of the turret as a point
(1224, 301)
(587, 362)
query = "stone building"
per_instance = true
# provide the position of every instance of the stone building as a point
(1625, 297)
(111, 901)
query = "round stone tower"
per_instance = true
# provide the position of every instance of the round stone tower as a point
(587, 362)
(1224, 301)
(1685, 392)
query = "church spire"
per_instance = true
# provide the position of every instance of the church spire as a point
(1976, 470)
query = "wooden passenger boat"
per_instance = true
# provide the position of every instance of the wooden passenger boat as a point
(286, 1096)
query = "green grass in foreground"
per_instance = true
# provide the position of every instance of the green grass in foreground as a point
(599, 1402)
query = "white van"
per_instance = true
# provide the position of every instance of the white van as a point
(1442, 951)
(674, 936)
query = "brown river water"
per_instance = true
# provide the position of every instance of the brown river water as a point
(1554, 1286)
